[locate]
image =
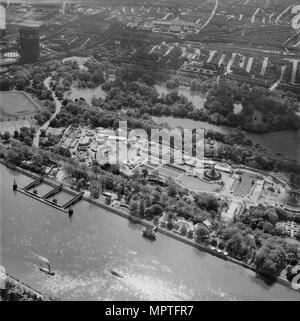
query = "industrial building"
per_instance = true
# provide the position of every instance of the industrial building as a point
(2, 19)
(29, 42)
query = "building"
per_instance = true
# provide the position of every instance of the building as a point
(201, 67)
(29, 42)
(2, 19)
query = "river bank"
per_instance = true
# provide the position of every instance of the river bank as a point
(164, 231)
(15, 290)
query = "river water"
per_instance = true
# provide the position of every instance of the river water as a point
(286, 142)
(82, 250)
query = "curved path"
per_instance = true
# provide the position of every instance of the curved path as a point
(211, 16)
(58, 105)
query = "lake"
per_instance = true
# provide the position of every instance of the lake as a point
(86, 93)
(286, 142)
(197, 98)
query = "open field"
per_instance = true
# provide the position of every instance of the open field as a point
(197, 184)
(244, 186)
(16, 105)
(168, 172)
(15, 125)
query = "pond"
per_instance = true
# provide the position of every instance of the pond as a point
(86, 93)
(197, 98)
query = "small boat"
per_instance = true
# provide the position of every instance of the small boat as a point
(113, 272)
(45, 267)
(150, 233)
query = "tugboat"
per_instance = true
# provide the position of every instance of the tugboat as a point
(150, 233)
(116, 274)
(45, 267)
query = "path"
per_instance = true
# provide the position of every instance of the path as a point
(36, 138)
(230, 63)
(249, 64)
(275, 85)
(264, 66)
(281, 14)
(211, 16)
(221, 60)
(254, 15)
(211, 55)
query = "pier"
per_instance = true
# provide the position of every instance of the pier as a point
(54, 191)
(33, 184)
(74, 200)
(66, 208)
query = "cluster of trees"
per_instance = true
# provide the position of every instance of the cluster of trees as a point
(25, 135)
(90, 78)
(261, 218)
(254, 237)
(274, 112)
(44, 115)
(202, 85)
(21, 153)
(144, 200)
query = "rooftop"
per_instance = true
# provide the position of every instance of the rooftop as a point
(30, 24)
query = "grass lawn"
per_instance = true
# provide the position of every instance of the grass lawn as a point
(16, 104)
(243, 187)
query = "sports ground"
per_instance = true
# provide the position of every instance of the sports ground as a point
(16, 105)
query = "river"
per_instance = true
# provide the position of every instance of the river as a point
(81, 251)
(286, 142)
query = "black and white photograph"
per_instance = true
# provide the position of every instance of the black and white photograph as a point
(149, 153)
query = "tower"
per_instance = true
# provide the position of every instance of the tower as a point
(29, 44)
(2, 19)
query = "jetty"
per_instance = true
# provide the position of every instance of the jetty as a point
(28, 191)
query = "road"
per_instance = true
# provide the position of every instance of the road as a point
(58, 105)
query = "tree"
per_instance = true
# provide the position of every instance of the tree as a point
(271, 258)
(6, 136)
(201, 234)
(183, 230)
(13, 157)
(172, 189)
(20, 84)
(271, 215)
(134, 208)
(142, 208)
(214, 242)
(235, 245)
(4, 84)
(16, 134)
(153, 210)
